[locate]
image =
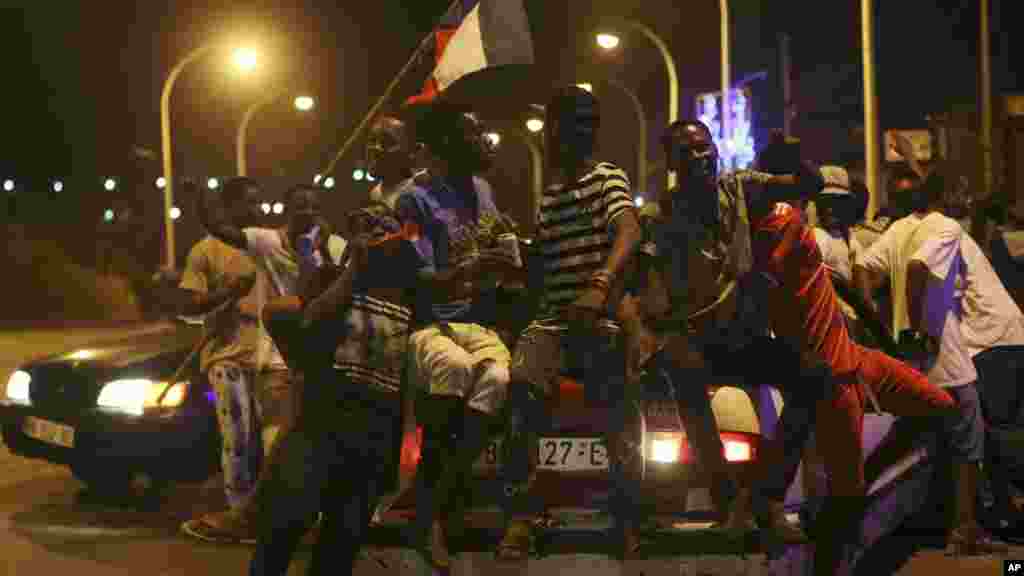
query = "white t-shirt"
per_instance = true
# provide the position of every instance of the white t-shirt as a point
(838, 254)
(933, 240)
(991, 317)
(272, 253)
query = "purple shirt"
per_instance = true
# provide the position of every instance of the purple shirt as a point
(446, 220)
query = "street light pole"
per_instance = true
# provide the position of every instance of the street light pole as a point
(536, 170)
(726, 108)
(986, 100)
(871, 136)
(165, 140)
(673, 81)
(243, 130)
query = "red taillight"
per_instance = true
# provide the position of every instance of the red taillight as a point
(411, 449)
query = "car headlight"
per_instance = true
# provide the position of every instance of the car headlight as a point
(665, 447)
(17, 387)
(135, 395)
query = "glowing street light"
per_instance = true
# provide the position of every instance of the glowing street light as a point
(108, 215)
(161, 182)
(212, 183)
(370, 177)
(9, 185)
(358, 174)
(58, 186)
(265, 207)
(586, 86)
(301, 103)
(278, 208)
(608, 41)
(494, 137)
(639, 201)
(109, 184)
(246, 59)
(317, 178)
(175, 213)
(329, 182)
(534, 125)
(304, 103)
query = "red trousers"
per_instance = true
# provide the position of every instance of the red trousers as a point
(900, 390)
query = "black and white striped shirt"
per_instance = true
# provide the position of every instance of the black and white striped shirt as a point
(575, 232)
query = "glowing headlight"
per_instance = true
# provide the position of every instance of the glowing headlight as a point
(134, 396)
(665, 448)
(17, 387)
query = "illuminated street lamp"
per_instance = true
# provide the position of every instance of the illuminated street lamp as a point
(108, 215)
(608, 41)
(245, 60)
(58, 186)
(329, 182)
(161, 182)
(317, 178)
(641, 121)
(534, 125)
(278, 208)
(109, 184)
(175, 212)
(358, 174)
(212, 183)
(8, 185)
(370, 177)
(494, 137)
(265, 207)
(586, 86)
(301, 103)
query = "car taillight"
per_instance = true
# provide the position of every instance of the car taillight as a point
(737, 448)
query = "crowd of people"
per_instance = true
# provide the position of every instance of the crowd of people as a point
(324, 352)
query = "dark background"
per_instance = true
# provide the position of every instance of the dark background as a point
(82, 82)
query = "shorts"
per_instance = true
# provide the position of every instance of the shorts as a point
(965, 430)
(451, 359)
(544, 353)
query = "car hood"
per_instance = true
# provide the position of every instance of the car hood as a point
(129, 350)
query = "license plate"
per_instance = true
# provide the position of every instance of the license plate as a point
(49, 432)
(559, 454)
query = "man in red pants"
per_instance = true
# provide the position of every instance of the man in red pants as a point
(804, 313)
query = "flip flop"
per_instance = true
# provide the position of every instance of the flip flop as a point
(207, 529)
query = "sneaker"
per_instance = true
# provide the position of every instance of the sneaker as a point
(225, 527)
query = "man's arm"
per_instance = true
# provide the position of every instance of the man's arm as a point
(215, 222)
(917, 282)
(192, 295)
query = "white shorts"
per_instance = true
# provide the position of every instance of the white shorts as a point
(465, 360)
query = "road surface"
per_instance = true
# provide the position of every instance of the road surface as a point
(48, 527)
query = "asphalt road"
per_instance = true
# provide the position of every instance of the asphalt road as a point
(48, 527)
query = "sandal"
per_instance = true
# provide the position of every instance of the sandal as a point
(221, 528)
(518, 542)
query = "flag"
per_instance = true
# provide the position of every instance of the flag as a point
(484, 34)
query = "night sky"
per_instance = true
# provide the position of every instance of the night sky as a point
(82, 83)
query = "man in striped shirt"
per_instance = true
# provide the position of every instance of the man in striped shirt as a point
(588, 230)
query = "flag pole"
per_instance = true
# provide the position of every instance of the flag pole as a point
(387, 92)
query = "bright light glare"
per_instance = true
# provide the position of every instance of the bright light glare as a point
(494, 137)
(265, 207)
(317, 178)
(175, 213)
(133, 396)
(737, 451)
(161, 182)
(83, 354)
(534, 125)
(586, 86)
(58, 186)
(109, 184)
(329, 182)
(278, 208)
(108, 215)
(608, 41)
(665, 450)
(639, 201)
(357, 174)
(370, 177)
(246, 59)
(304, 103)
(212, 183)
(8, 185)
(17, 386)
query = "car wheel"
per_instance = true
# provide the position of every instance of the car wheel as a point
(119, 486)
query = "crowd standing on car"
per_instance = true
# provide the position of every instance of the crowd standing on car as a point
(326, 354)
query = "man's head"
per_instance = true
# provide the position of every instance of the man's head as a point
(302, 206)
(782, 157)
(690, 150)
(842, 201)
(573, 119)
(241, 201)
(457, 138)
(388, 153)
